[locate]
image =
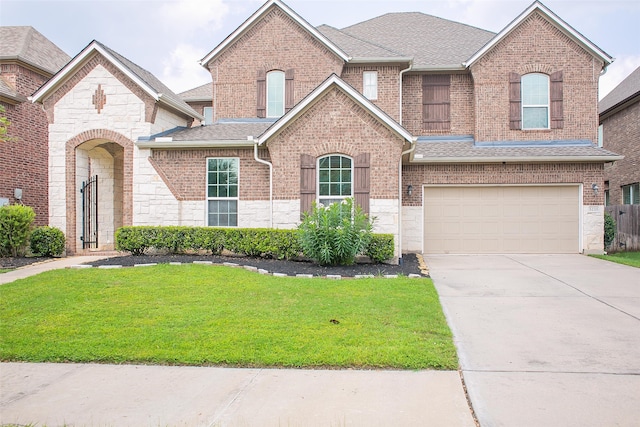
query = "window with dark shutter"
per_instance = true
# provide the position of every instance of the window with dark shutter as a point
(436, 103)
(262, 94)
(557, 115)
(307, 183)
(515, 102)
(289, 100)
(361, 180)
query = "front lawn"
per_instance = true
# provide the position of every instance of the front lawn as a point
(216, 315)
(627, 258)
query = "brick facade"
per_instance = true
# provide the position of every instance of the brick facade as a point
(536, 46)
(336, 125)
(621, 134)
(24, 161)
(184, 172)
(462, 107)
(274, 43)
(388, 86)
(505, 174)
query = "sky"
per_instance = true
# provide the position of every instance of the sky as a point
(169, 37)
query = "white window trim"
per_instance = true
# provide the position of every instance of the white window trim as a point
(318, 196)
(547, 105)
(237, 198)
(269, 113)
(370, 96)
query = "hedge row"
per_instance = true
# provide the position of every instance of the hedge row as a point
(257, 242)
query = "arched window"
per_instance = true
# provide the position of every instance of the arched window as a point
(335, 179)
(535, 101)
(275, 94)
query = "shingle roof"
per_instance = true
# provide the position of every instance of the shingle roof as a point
(200, 93)
(628, 88)
(29, 46)
(232, 130)
(463, 150)
(433, 42)
(355, 47)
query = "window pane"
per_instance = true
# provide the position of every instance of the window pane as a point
(535, 89)
(334, 177)
(346, 162)
(346, 189)
(635, 194)
(208, 115)
(213, 191)
(535, 118)
(324, 189)
(323, 175)
(335, 190)
(334, 161)
(223, 213)
(275, 94)
(346, 176)
(626, 195)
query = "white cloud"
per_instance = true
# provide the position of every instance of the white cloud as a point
(189, 16)
(617, 72)
(181, 70)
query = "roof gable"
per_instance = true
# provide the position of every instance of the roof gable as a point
(259, 14)
(141, 77)
(537, 7)
(27, 45)
(328, 84)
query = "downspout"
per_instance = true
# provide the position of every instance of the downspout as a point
(400, 90)
(264, 162)
(400, 189)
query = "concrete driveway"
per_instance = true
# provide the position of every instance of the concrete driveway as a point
(545, 340)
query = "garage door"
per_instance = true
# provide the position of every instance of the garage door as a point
(501, 219)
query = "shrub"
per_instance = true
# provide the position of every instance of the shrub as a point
(609, 230)
(335, 234)
(15, 226)
(47, 241)
(380, 248)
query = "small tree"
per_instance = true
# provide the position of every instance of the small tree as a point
(609, 230)
(15, 226)
(4, 126)
(335, 234)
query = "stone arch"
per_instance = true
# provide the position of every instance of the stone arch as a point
(113, 143)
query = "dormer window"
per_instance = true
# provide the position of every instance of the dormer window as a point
(275, 94)
(535, 101)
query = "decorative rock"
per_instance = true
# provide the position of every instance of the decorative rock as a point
(145, 265)
(279, 275)
(250, 268)
(363, 276)
(263, 271)
(109, 266)
(390, 276)
(334, 276)
(203, 262)
(79, 266)
(306, 276)
(230, 264)
(175, 263)
(414, 276)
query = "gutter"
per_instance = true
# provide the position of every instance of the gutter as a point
(400, 188)
(264, 162)
(168, 101)
(400, 90)
(545, 159)
(167, 142)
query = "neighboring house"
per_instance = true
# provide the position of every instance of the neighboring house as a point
(620, 132)
(27, 61)
(456, 139)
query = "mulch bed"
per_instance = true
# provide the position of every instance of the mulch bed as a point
(17, 262)
(410, 264)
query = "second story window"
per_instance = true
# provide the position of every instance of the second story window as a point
(535, 101)
(275, 94)
(370, 85)
(208, 115)
(436, 102)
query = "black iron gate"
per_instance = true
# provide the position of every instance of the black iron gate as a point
(89, 193)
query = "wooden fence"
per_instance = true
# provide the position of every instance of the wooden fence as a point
(628, 227)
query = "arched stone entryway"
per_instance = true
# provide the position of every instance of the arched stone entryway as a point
(109, 155)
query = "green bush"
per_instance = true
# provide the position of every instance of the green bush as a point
(271, 243)
(15, 226)
(380, 248)
(47, 241)
(609, 230)
(335, 234)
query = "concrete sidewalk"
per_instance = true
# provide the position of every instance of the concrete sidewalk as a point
(55, 264)
(107, 395)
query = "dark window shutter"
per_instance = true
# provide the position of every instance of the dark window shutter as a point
(436, 102)
(361, 181)
(557, 115)
(307, 182)
(262, 94)
(289, 100)
(515, 102)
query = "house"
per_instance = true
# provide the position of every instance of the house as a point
(456, 139)
(27, 60)
(620, 127)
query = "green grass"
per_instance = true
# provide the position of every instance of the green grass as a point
(215, 315)
(4, 270)
(627, 258)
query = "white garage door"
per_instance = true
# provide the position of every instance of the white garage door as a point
(501, 219)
